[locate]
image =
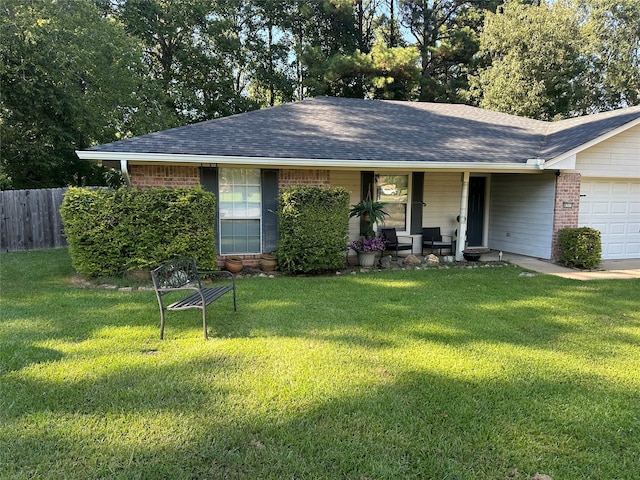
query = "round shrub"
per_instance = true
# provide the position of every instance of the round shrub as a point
(580, 247)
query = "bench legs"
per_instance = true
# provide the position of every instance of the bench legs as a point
(204, 323)
(161, 323)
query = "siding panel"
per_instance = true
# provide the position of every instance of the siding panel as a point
(521, 214)
(616, 157)
(349, 180)
(442, 193)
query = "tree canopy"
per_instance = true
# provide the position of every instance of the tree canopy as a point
(70, 78)
(559, 59)
(75, 73)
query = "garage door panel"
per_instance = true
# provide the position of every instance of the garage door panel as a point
(617, 229)
(613, 208)
(619, 208)
(600, 208)
(622, 188)
(601, 227)
(614, 249)
(633, 250)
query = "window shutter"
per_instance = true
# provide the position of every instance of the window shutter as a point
(417, 196)
(209, 181)
(270, 192)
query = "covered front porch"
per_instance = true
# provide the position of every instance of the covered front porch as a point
(480, 211)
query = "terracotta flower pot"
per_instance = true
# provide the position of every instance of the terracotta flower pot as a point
(233, 264)
(268, 262)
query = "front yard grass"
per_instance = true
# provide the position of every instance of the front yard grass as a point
(457, 374)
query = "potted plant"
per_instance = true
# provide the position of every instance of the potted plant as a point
(268, 262)
(371, 212)
(367, 249)
(233, 264)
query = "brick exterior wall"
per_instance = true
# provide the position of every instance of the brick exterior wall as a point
(566, 208)
(164, 176)
(189, 176)
(289, 178)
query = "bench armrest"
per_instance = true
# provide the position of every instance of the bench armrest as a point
(220, 273)
(177, 289)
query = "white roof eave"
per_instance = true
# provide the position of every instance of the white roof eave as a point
(529, 166)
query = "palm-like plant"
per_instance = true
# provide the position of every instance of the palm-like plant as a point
(371, 212)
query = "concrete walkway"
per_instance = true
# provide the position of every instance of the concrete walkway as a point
(609, 269)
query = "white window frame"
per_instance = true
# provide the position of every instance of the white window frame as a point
(407, 219)
(226, 215)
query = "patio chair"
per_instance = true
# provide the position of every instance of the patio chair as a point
(390, 239)
(433, 239)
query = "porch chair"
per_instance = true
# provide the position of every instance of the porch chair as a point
(390, 239)
(433, 239)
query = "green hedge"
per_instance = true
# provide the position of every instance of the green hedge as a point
(314, 229)
(111, 232)
(580, 247)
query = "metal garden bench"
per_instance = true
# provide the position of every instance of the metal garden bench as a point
(182, 275)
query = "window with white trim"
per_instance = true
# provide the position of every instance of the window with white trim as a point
(394, 191)
(240, 207)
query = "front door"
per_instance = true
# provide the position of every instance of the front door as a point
(475, 218)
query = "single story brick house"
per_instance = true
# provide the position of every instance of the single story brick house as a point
(499, 181)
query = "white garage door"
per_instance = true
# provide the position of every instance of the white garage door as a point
(613, 207)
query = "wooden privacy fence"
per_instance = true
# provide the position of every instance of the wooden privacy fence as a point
(30, 219)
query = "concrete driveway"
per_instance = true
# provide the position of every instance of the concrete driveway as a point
(609, 269)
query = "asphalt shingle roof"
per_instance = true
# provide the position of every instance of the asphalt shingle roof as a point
(376, 130)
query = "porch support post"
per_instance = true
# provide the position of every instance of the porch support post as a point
(462, 225)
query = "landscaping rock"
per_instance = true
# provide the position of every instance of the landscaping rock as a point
(386, 262)
(412, 260)
(432, 260)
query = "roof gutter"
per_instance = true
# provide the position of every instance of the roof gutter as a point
(531, 165)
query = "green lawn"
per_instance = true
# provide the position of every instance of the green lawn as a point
(444, 374)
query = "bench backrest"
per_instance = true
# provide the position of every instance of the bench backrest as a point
(176, 274)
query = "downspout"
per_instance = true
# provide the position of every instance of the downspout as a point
(462, 226)
(124, 169)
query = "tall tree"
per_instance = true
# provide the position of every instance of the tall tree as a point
(395, 74)
(185, 46)
(612, 31)
(70, 78)
(446, 34)
(536, 59)
(324, 32)
(273, 76)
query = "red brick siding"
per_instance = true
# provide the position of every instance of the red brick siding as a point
(289, 178)
(189, 176)
(164, 176)
(567, 192)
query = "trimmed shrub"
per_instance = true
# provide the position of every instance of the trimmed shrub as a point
(314, 229)
(111, 232)
(580, 247)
